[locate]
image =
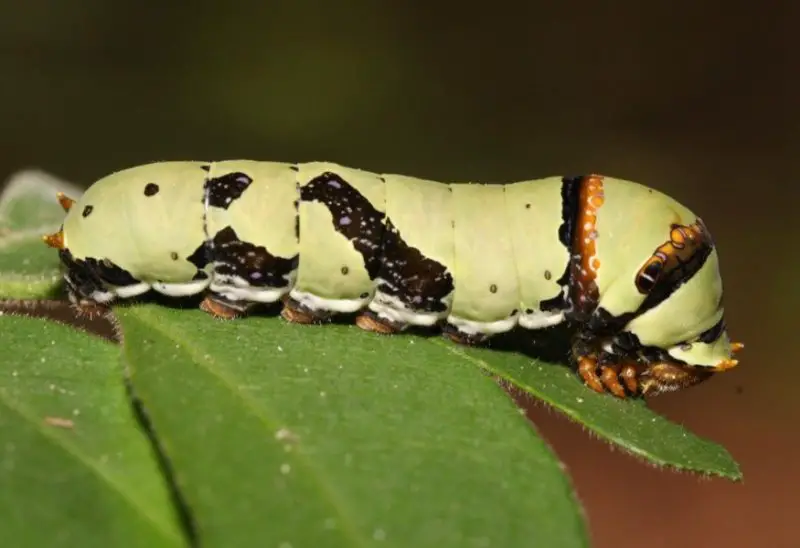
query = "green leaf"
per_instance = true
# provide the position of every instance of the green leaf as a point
(28, 210)
(287, 435)
(628, 423)
(75, 468)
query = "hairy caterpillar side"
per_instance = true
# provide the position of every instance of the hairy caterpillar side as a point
(636, 271)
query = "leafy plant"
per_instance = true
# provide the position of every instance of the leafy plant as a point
(184, 430)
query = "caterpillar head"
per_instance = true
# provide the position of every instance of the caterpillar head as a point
(682, 318)
(664, 331)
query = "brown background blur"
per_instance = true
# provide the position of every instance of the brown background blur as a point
(693, 99)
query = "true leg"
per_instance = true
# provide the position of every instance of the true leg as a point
(609, 375)
(587, 369)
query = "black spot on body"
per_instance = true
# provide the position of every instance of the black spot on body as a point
(297, 220)
(110, 273)
(570, 205)
(417, 281)
(547, 275)
(201, 257)
(353, 216)
(86, 276)
(345, 270)
(81, 280)
(557, 303)
(151, 189)
(87, 211)
(252, 263)
(173, 256)
(493, 288)
(206, 168)
(223, 191)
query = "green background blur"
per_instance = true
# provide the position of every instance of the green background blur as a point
(693, 99)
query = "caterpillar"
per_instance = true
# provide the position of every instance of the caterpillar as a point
(636, 272)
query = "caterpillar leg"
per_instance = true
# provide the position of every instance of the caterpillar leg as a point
(623, 376)
(630, 377)
(295, 312)
(222, 308)
(458, 336)
(613, 377)
(371, 321)
(587, 369)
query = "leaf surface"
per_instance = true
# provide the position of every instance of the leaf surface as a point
(75, 467)
(328, 436)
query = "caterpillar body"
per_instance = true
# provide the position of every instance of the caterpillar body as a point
(634, 270)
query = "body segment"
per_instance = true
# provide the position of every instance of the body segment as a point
(635, 271)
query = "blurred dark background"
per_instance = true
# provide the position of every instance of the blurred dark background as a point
(691, 98)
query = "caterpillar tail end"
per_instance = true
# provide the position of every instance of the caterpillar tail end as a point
(65, 201)
(56, 240)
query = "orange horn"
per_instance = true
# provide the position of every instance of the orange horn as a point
(56, 241)
(724, 365)
(65, 201)
(737, 346)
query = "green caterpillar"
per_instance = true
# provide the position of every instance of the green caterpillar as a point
(637, 272)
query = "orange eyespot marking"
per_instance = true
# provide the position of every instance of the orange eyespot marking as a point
(684, 251)
(56, 241)
(725, 365)
(678, 237)
(736, 347)
(65, 201)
